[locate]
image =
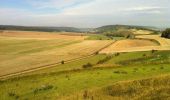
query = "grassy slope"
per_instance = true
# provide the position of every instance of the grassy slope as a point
(56, 84)
(156, 88)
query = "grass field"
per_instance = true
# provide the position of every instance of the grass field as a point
(156, 88)
(62, 81)
(102, 37)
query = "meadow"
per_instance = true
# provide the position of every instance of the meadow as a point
(62, 81)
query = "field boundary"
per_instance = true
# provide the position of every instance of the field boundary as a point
(3, 77)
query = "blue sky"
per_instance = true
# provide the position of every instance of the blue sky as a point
(85, 13)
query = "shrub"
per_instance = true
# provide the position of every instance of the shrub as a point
(12, 94)
(85, 94)
(88, 65)
(96, 53)
(117, 72)
(43, 88)
(62, 62)
(144, 55)
(162, 68)
(153, 51)
(166, 33)
(104, 60)
(120, 72)
(117, 54)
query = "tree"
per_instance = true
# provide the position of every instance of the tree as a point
(166, 33)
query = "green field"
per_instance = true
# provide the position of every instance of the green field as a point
(102, 37)
(63, 81)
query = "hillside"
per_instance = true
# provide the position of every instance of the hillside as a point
(38, 28)
(114, 28)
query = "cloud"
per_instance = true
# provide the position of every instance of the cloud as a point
(56, 4)
(86, 13)
(144, 8)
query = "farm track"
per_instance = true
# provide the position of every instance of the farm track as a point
(3, 77)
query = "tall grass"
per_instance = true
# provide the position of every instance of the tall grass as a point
(156, 88)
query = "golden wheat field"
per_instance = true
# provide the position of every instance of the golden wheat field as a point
(23, 51)
(140, 32)
(130, 46)
(42, 35)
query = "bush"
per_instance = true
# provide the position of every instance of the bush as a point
(43, 88)
(88, 65)
(12, 94)
(144, 55)
(117, 54)
(62, 62)
(104, 60)
(153, 51)
(161, 67)
(85, 94)
(166, 33)
(96, 53)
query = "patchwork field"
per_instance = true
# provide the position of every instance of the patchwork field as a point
(51, 66)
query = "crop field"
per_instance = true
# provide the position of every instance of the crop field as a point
(141, 32)
(42, 35)
(129, 46)
(162, 41)
(20, 54)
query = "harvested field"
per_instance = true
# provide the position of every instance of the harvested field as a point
(162, 41)
(42, 35)
(130, 46)
(23, 54)
(140, 32)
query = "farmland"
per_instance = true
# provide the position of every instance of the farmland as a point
(85, 50)
(129, 46)
(62, 81)
(19, 54)
(142, 43)
(63, 66)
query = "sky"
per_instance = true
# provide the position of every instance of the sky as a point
(85, 13)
